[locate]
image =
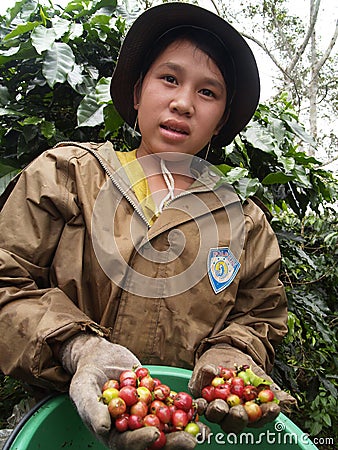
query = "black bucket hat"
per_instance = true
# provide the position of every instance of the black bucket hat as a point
(157, 21)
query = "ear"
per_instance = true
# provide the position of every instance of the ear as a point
(218, 129)
(137, 94)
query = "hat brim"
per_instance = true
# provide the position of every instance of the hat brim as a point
(154, 22)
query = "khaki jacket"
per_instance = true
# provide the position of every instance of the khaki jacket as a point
(76, 254)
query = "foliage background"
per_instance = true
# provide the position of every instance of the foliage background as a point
(55, 68)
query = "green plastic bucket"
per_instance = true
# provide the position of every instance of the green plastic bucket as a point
(55, 425)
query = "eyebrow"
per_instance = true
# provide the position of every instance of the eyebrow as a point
(176, 67)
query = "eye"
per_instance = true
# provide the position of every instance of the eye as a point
(170, 79)
(207, 93)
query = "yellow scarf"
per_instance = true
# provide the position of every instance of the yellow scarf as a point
(139, 183)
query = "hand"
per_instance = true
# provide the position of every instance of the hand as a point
(233, 419)
(93, 360)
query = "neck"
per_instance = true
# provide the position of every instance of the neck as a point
(179, 177)
(179, 169)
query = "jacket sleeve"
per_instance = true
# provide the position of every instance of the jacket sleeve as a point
(35, 314)
(258, 319)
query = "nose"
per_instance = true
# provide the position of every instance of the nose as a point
(182, 103)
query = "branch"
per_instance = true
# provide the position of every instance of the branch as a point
(280, 32)
(267, 51)
(326, 54)
(216, 7)
(313, 20)
(329, 162)
(301, 283)
(274, 60)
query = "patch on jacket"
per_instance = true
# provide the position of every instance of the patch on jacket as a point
(222, 268)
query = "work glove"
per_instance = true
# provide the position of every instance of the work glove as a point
(234, 419)
(92, 360)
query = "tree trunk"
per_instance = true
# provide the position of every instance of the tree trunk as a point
(313, 85)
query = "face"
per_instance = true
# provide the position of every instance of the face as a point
(181, 101)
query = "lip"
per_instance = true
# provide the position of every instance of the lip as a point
(175, 127)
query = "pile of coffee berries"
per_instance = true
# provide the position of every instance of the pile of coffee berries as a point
(240, 387)
(137, 399)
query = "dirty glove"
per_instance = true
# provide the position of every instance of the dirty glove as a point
(92, 360)
(233, 419)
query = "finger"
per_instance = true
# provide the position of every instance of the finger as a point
(286, 401)
(203, 377)
(134, 440)
(201, 405)
(236, 420)
(85, 393)
(217, 410)
(180, 440)
(270, 411)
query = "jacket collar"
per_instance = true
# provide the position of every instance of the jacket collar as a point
(210, 185)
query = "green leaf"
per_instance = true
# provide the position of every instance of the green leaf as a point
(259, 138)
(278, 130)
(4, 95)
(316, 428)
(224, 168)
(112, 120)
(10, 112)
(103, 91)
(98, 4)
(277, 178)
(331, 239)
(89, 113)
(60, 26)
(326, 419)
(288, 162)
(302, 177)
(75, 77)
(5, 179)
(75, 31)
(235, 174)
(21, 29)
(43, 16)
(10, 52)
(22, 13)
(299, 131)
(31, 121)
(247, 187)
(48, 129)
(6, 169)
(25, 51)
(58, 62)
(43, 38)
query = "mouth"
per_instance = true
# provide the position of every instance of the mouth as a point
(175, 130)
(175, 126)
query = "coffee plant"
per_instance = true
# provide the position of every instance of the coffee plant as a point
(55, 69)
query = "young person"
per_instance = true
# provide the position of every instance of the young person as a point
(110, 259)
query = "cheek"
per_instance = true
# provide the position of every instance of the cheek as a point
(152, 97)
(211, 119)
(152, 103)
(219, 118)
